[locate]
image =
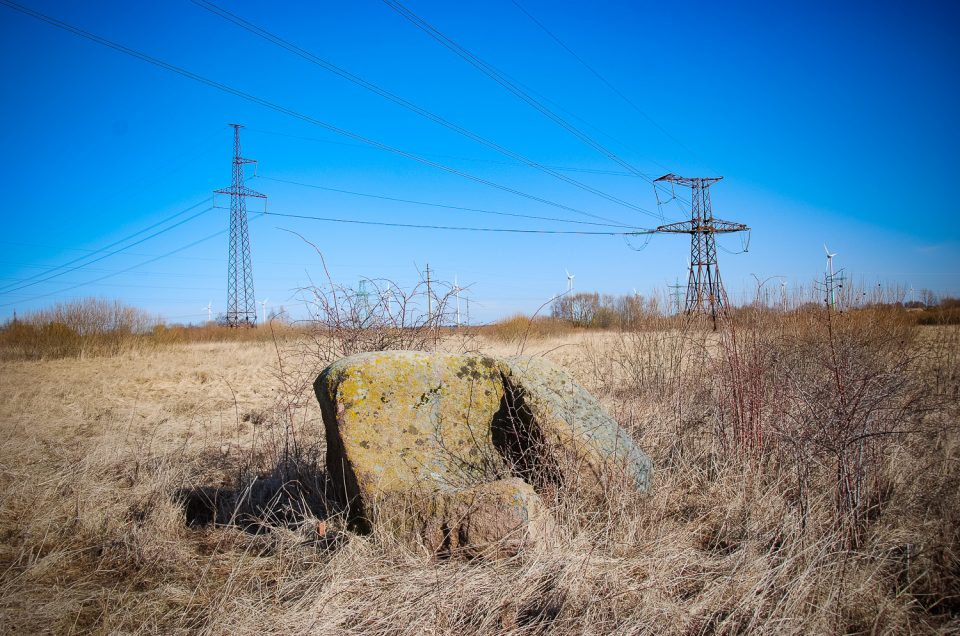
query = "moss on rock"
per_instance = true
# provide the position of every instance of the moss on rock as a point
(444, 445)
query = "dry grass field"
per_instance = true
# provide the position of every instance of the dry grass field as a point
(807, 481)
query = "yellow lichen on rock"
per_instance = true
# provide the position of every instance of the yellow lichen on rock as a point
(581, 440)
(450, 447)
(405, 416)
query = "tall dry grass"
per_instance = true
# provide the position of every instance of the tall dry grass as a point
(806, 482)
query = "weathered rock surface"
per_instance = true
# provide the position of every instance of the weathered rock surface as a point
(451, 447)
(578, 437)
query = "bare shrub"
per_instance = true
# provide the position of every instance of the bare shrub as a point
(379, 315)
(344, 321)
(851, 387)
(90, 326)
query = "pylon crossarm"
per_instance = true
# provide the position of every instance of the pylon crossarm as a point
(721, 226)
(683, 227)
(242, 191)
(688, 181)
(712, 227)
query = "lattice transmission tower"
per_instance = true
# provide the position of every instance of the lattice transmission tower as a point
(705, 292)
(241, 303)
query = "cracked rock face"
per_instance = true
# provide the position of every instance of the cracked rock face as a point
(453, 449)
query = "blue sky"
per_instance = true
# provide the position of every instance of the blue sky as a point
(833, 124)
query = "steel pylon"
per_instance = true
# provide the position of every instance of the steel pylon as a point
(705, 292)
(241, 302)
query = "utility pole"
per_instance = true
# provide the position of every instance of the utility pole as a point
(456, 289)
(839, 279)
(705, 292)
(241, 304)
(429, 296)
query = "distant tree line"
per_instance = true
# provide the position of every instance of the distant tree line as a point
(605, 311)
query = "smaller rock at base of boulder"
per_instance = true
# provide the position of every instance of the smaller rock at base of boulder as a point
(490, 520)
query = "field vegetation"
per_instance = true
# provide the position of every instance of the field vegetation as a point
(170, 479)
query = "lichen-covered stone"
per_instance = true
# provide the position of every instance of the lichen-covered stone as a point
(577, 434)
(402, 419)
(439, 445)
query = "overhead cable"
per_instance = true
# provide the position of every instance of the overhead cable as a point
(4, 289)
(455, 228)
(423, 112)
(442, 205)
(600, 77)
(108, 254)
(276, 107)
(511, 86)
(615, 173)
(127, 269)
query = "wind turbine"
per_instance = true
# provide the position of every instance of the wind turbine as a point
(833, 298)
(569, 280)
(209, 309)
(263, 309)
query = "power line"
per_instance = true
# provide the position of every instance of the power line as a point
(400, 101)
(280, 109)
(106, 247)
(615, 173)
(455, 228)
(649, 178)
(127, 269)
(501, 79)
(442, 205)
(514, 87)
(108, 254)
(603, 79)
(142, 286)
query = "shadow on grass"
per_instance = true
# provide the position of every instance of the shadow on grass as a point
(291, 496)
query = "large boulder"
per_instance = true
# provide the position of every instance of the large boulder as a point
(453, 448)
